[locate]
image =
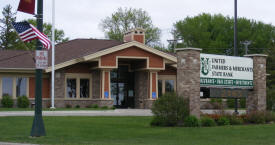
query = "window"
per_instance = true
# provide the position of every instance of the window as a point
(166, 83)
(84, 88)
(78, 86)
(7, 86)
(169, 85)
(71, 88)
(159, 88)
(21, 87)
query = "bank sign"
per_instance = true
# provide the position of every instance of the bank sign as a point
(226, 71)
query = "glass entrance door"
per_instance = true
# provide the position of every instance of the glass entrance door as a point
(122, 89)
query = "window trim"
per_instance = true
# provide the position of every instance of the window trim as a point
(78, 76)
(163, 78)
(14, 84)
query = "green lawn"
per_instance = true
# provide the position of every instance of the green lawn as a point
(56, 109)
(130, 131)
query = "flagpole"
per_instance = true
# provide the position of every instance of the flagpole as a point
(53, 50)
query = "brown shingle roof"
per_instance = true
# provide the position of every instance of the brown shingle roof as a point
(63, 52)
(10, 59)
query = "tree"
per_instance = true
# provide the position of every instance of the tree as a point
(215, 34)
(125, 19)
(8, 37)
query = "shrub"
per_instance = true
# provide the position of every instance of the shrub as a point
(23, 102)
(270, 99)
(170, 110)
(207, 121)
(235, 120)
(89, 106)
(230, 103)
(256, 117)
(269, 117)
(191, 121)
(113, 107)
(104, 107)
(95, 106)
(77, 106)
(7, 101)
(242, 103)
(68, 106)
(223, 121)
(216, 103)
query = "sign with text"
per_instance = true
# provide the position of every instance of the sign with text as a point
(226, 71)
(41, 59)
(228, 93)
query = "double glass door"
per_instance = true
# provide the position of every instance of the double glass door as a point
(122, 87)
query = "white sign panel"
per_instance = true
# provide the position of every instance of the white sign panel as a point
(41, 58)
(226, 71)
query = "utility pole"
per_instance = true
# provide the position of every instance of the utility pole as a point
(235, 44)
(38, 128)
(246, 43)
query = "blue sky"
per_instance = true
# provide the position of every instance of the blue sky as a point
(81, 18)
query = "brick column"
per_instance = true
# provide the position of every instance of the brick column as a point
(256, 100)
(188, 77)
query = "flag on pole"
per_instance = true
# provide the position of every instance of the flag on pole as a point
(28, 32)
(27, 6)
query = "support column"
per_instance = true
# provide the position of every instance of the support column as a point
(105, 84)
(188, 77)
(256, 100)
(153, 85)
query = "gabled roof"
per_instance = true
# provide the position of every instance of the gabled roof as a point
(72, 52)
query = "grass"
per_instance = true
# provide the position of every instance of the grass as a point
(130, 131)
(56, 109)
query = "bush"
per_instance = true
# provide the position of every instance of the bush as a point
(216, 103)
(104, 107)
(95, 106)
(191, 121)
(7, 101)
(256, 117)
(77, 106)
(269, 117)
(270, 99)
(235, 120)
(113, 107)
(169, 110)
(23, 102)
(242, 103)
(223, 121)
(230, 103)
(68, 106)
(207, 121)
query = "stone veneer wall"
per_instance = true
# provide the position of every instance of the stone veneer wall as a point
(141, 89)
(256, 100)
(188, 77)
(59, 82)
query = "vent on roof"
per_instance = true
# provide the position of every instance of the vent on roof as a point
(137, 34)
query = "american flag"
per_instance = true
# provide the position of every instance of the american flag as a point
(28, 32)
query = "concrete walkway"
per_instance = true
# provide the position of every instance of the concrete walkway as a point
(116, 112)
(6, 143)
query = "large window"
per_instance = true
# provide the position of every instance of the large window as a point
(166, 84)
(78, 86)
(71, 88)
(7, 86)
(84, 88)
(21, 87)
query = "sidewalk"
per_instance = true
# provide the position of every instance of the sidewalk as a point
(6, 143)
(116, 112)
